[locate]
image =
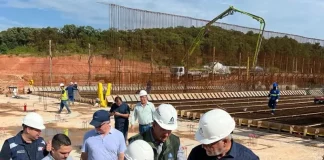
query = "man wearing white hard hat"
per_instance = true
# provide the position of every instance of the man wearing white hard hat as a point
(164, 144)
(214, 132)
(64, 100)
(139, 150)
(27, 144)
(143, 111)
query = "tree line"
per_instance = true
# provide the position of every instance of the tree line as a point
(165, 46)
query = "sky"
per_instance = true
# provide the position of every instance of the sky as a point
(299, 17)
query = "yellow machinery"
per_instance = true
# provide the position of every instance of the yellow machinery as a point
(102, 98)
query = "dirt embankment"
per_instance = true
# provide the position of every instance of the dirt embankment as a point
(15, 70)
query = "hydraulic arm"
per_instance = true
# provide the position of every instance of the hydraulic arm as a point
(229, 11)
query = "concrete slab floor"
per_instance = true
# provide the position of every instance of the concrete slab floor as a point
(267, 146)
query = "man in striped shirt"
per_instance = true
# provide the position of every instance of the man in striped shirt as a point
(143, 111)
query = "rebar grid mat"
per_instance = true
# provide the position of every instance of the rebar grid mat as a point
(192, 128)
(85, 124)
(58, 117)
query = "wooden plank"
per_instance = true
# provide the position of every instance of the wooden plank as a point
(209, 95)
(163, 97)
(202, 96)
(223, 95)
(205, 95)
(127, 98)
(173, 97)
(154, 98)
(159, 97)
(213, 95)
(186, 95)
(168, 97)
(177, 97)
(181, 96)
(190, 96)
(197, 95)
(220, 95)
(193, 96)
(149, 98)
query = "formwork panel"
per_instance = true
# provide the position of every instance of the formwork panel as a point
(198, 96)
(159, 98)
(149, 98)
(168, 97)
(177, 97)
(163, 97)
(173, 97)
(154, 98)
(202, 96)
(127, 98)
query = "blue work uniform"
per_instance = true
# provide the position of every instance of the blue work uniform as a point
(70, 90)
(121, 123)
(237, 152)
(274, 95)
(16, 148)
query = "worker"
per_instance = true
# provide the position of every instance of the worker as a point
(273, 97)
(214, 134)
(76, 91)
(70, 90)
(120, 111)
(139, 150)
(15, 93)
(144, 112)
(149, 86)
(165, 144)
(103, 142)
(27, 144)
(75, 85)
(64, 99)
(61, 148)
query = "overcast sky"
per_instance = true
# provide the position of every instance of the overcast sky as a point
(300, 17)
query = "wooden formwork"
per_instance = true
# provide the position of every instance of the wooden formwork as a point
(291, 129)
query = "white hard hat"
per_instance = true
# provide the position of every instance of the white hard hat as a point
(34, 120)
(166, 116)
(139, 150)
(71, 82)
(75, 83)
(143, 93)
(214, 125)
(62, 85)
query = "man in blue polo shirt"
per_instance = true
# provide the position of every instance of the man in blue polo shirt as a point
(214, 132)
(103, 142)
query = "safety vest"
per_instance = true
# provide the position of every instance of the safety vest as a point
(18, 151)
(170, 146)
(64, 96)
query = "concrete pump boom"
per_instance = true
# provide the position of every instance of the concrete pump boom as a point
(229, 11)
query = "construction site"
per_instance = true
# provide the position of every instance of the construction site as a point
(297, 127)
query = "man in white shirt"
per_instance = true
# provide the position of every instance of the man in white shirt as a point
(143, 111)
